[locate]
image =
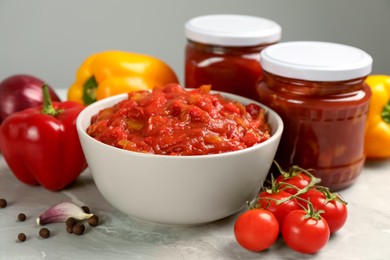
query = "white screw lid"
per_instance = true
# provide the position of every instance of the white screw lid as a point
(232, 30)
(316, 61)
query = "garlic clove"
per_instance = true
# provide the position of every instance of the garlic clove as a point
(61, 212)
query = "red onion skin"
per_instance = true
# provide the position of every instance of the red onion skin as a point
(19, 92)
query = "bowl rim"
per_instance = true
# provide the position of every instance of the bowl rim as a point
(106, 102)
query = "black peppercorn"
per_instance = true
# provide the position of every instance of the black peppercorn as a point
(22, 237)
(93, 221)
(70, 222)
(78, 229)
(69, 229)
(22, 217)
(3, 203)
(85, 209)
(44, 232)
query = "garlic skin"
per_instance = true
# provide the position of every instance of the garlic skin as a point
(61, 212)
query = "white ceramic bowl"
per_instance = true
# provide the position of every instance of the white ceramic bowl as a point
(177, 190)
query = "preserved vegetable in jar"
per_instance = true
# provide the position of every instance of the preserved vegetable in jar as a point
(318, 89)
(224, 51)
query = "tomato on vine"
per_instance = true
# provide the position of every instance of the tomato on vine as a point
(256, 230)
(334, 207)
(294, 180)
(299, 180)
(294, 205)
(305, 231)
(270, 199)
(277, 199)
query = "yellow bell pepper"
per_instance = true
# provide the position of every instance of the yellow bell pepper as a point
(110, 73)
(377, 135)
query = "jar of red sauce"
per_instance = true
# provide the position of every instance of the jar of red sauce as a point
(318, 89)
(224, 50)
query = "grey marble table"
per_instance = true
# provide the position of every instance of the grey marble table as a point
(366, 234)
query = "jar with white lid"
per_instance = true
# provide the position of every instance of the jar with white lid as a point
(318, 89)
(223, 51)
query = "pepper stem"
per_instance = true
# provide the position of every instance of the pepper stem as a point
(48, 107)
(386, 113)
(89, 91)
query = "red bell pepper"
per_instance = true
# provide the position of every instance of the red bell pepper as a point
(41, 145)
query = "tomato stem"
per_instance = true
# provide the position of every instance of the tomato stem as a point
(293, 171)
(275, 186)
(312, 183)
(311, 213)
(309, 209)
(331, 195)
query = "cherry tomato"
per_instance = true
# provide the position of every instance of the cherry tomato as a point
(305, 234)
(335, 212)
(316, 197)
(256, 229)
(267, 201)
(299, 180)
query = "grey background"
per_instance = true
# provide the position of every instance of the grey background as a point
(50, 39)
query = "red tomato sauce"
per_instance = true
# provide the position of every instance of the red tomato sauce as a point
(171, 120)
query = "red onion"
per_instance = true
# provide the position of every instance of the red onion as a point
(19, 92)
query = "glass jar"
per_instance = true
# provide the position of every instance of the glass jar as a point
(224, 50)
(318, 89)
